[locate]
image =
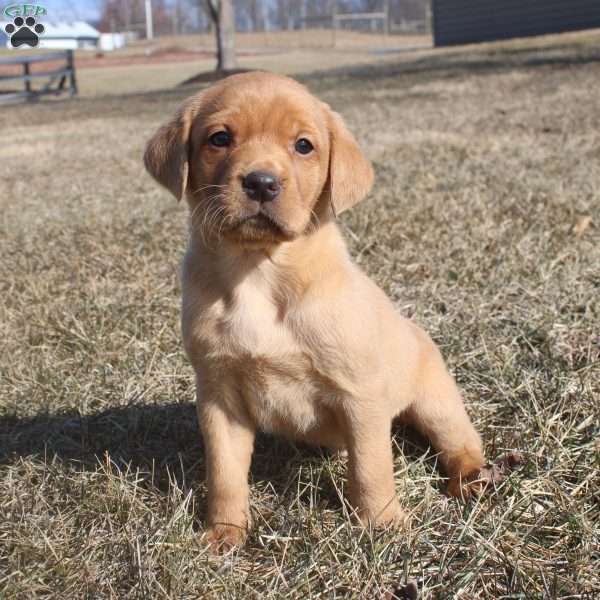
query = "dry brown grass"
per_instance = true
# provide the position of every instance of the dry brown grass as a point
(487, 167)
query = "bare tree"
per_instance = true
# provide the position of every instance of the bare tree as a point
(222, 14)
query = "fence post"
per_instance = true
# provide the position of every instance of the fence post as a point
(27, 80)
(71, 67)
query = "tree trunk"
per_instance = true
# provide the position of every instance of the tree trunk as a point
(224, 18)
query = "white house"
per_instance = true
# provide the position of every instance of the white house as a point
(69, 36)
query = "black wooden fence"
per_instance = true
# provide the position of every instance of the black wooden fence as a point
(472, 21)
(54, 81)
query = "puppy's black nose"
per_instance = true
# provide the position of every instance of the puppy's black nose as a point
(261, 186)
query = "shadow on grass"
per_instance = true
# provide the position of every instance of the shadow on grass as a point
(144, 437)
(160, 442)
(163, 443)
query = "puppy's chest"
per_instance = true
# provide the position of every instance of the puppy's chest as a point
(253, 348)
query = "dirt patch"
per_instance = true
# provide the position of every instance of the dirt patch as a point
(99, 62)
(210, 76)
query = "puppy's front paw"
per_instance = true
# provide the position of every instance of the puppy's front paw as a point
(390, 516)
(479, 481)
(222, 537)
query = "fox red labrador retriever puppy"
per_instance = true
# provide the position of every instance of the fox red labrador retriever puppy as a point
(285, 332)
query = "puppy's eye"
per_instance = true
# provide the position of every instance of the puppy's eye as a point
(221, 139)
(303, 146)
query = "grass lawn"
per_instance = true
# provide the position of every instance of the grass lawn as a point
(483, 226)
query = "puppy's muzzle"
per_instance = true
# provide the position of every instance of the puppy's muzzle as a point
(261, 186)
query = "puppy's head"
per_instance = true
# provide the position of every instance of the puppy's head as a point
(259, 159)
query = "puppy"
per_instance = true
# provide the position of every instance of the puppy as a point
(284, 331)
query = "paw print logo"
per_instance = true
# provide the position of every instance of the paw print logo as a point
(24, 32)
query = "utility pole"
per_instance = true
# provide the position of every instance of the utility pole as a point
(265, 20)
(149, 24)
(334, 22)
(386, 11)
(265, 16)
(303, 13)
(429, 16)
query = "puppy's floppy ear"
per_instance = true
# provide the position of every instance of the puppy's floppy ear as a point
(350, 173)
(167, 153)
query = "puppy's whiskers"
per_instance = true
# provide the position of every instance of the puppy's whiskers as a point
(203, 225)
(313, 223)
(212, 221)
(210, 186)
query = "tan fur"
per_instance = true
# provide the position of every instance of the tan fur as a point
(285, 333)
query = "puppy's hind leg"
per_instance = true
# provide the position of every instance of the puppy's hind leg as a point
(439, 413)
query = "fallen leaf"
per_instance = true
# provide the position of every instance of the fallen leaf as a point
(582, 225)
(410, 591)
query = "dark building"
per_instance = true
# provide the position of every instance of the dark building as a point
(471, 21)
